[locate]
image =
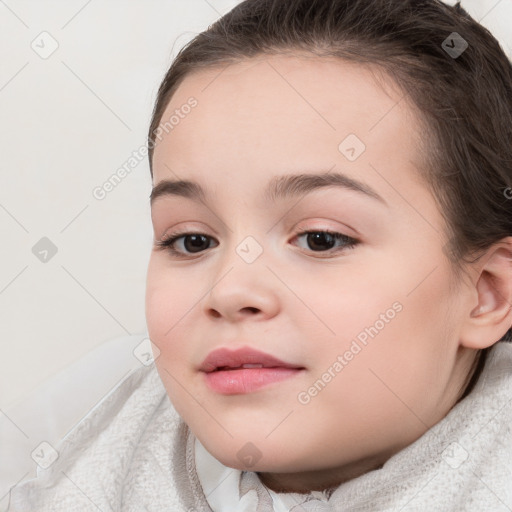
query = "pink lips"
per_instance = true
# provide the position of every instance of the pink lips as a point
(244, 370)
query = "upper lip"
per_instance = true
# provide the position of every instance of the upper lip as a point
(223, 357)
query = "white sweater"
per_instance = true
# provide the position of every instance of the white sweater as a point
(133, 453)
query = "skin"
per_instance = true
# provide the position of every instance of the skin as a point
(277, 115)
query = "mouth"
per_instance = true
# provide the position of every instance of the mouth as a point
(247, 358)
(244, 370)
(246, 365)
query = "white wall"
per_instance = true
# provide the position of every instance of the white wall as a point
(69, 122)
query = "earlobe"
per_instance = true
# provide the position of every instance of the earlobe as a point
(491, 318)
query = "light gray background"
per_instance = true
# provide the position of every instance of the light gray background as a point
(69, 122)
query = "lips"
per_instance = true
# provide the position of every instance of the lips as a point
(223, 359)
(243, 371)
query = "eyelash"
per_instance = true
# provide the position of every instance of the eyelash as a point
(168, 243)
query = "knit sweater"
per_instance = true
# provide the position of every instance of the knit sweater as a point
(134, 453)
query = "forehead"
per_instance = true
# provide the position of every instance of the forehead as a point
(271, 114)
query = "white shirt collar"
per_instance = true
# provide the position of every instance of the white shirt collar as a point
(221, 487)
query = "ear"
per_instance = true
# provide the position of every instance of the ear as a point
(491, 316)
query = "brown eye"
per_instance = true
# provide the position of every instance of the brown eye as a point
(320, 241)
(191, 243)
(324, 241)
(195, 243)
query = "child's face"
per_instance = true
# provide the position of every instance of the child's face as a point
(254, 283)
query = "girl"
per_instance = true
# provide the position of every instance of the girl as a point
(370, 373)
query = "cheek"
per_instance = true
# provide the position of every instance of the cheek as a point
(404, 370)
(170, 297)
(390, 386)
(391, 322)
(345, 303)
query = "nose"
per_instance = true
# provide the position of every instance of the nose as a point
(242, 291)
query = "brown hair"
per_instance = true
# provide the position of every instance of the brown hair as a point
(464, 100)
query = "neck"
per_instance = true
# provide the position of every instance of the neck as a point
(305, 482)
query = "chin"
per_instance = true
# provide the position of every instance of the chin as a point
(257, 457)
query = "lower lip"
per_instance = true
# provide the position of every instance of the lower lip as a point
(247, 380)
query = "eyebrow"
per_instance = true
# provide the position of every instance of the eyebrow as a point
(279, 187)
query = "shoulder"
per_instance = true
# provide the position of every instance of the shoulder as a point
(495, 381)
(95, 456)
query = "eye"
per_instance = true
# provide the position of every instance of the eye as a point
(192, 243)
(325, 241)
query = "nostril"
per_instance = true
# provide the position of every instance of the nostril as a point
(251, 309)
